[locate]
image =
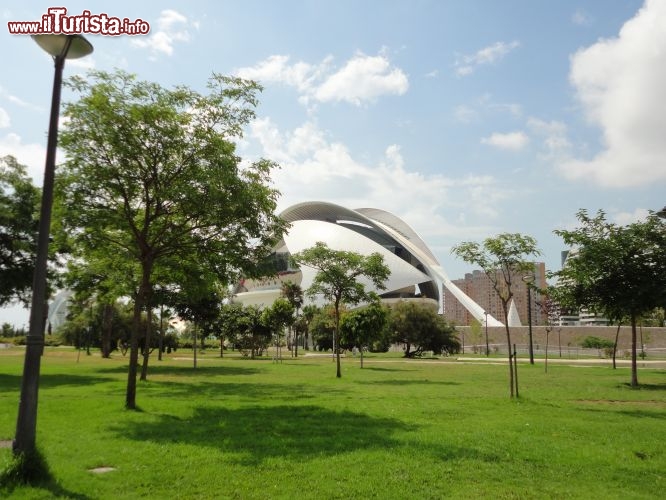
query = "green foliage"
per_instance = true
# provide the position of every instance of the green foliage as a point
(19, 202)
(338, 279)
(365, 326)
(251, 335)
(617, 270)
(421, 329)
(322, 327)
(153, 179)
(592, 342)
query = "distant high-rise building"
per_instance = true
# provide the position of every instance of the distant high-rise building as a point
(479, 288)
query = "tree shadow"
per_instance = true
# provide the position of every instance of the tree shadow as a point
(406, 382)
(186, 371)
(245, 391)
(257, 433)
(645, 387)
(47, 381)
(383, 369)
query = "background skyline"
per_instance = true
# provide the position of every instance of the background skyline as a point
(463, 118)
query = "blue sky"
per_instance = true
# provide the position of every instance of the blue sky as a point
(466, 118)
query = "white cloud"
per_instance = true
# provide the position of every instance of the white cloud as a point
(31, 155)
(625, 218)
(4, 119)
(362, 78)
(580, 18)
(172, 27)
(313, 167)
(620, 84)
(554, 137)
(467, 64)
(512, 141)
(18, 101)
(465, 114)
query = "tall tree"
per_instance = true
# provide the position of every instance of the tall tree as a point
(338, 279)
(502, 258)
(19, 202)
(152, 172)
(619, 271)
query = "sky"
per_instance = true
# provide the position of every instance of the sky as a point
(466, 118)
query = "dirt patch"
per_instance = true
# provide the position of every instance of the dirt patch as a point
(5, 443)
(101, 470)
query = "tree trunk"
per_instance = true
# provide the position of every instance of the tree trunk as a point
(139, 301)
(107, 327)
(336, 335)
(508, 344)
(160, 340)
(617, 335)
(634, 370)
(361, 356)
(221, 346)
(194, 345)
(146, 349)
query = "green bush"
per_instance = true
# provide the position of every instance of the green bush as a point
(592, 342)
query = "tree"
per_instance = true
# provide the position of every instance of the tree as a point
(501, 258)
(294, 294)
(619, 271)
(276, 318)
(152, 174)
(337, 279)
(253, 335)
(420, 327)
(361, 327)
(19, 203)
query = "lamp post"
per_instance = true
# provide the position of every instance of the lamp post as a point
(529, 279)
(487, 346)
(61, 47)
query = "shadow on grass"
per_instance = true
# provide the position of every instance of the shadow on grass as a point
(244, 391)
(257, 433)
(383, 369)
(406, 382)
(30, 470)
(46, 381)
(645, 387)
(185, 371)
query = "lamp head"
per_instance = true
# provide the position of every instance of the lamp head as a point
(56, 45)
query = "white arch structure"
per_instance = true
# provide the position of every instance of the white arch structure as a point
(367, 230)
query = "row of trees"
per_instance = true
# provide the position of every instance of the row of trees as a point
(616, 271)
(154, 204)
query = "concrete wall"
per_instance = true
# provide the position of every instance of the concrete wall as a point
(571, 336)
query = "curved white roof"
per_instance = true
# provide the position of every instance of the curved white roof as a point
(368, 230)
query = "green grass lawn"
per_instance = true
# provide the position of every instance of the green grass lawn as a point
(237, 428)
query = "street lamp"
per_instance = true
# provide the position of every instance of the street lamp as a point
(61, 47)
(487, 346)
(529, 279)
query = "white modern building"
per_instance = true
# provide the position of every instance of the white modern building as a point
(415, 271)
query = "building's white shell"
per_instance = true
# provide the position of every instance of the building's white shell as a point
(415, 271)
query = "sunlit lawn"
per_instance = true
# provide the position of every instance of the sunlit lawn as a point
(237, 428)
